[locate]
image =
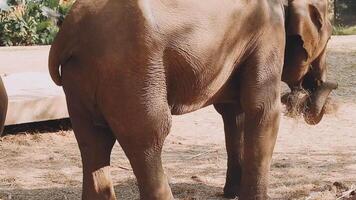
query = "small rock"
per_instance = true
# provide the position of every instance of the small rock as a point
(353, 193)
(340, 186)
(197, 179)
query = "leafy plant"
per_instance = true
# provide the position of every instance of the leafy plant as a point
(25, 22)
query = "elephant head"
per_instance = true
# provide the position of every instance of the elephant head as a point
(308, 31)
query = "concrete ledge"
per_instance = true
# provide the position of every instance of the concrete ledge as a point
(32, 95)
(23, 59)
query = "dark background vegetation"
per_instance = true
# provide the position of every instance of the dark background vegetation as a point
(343, 16)
(345, 12)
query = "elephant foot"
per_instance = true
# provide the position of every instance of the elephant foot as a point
(162, 194)
(254, 197)
(231, 191)
(253, 193)
(233, 182)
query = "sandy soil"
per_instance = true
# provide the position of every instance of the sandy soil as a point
(309, 162)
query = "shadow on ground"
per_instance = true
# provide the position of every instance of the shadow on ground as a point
(39, 127)
(126, 190)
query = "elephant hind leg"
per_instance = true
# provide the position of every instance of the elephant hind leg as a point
(95, 144)
(142, 141)
(233, 126)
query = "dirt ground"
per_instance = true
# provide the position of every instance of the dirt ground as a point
(309, 162)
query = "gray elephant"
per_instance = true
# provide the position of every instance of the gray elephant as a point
(3, 105)
(127, 66)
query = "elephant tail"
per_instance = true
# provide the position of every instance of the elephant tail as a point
(59, 54)
(54, 63)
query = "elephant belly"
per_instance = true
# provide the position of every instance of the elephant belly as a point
(193, 84)
(203, 99)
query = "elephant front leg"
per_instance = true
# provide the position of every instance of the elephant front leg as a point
(260, 101)
(233, 126)
(262, 114)
(259, 140)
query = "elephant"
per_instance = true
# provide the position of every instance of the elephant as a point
(3, 106)
(127, 66)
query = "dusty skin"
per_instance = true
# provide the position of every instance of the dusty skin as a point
(309, 162)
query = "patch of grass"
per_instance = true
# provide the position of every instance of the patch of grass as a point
(344, 30)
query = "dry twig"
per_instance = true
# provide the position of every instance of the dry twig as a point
(125, 168)
(201, 154)
(347, 193)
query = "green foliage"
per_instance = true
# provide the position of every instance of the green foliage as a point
(342, 30)
(26, 24)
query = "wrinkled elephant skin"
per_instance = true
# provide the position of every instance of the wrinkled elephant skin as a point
(126, 66)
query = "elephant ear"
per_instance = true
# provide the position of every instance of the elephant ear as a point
(306, 21)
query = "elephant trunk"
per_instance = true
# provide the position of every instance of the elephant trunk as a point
(316, 102)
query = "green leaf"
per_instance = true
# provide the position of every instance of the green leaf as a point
(52, 3)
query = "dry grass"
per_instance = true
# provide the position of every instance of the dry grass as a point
(295, 103)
